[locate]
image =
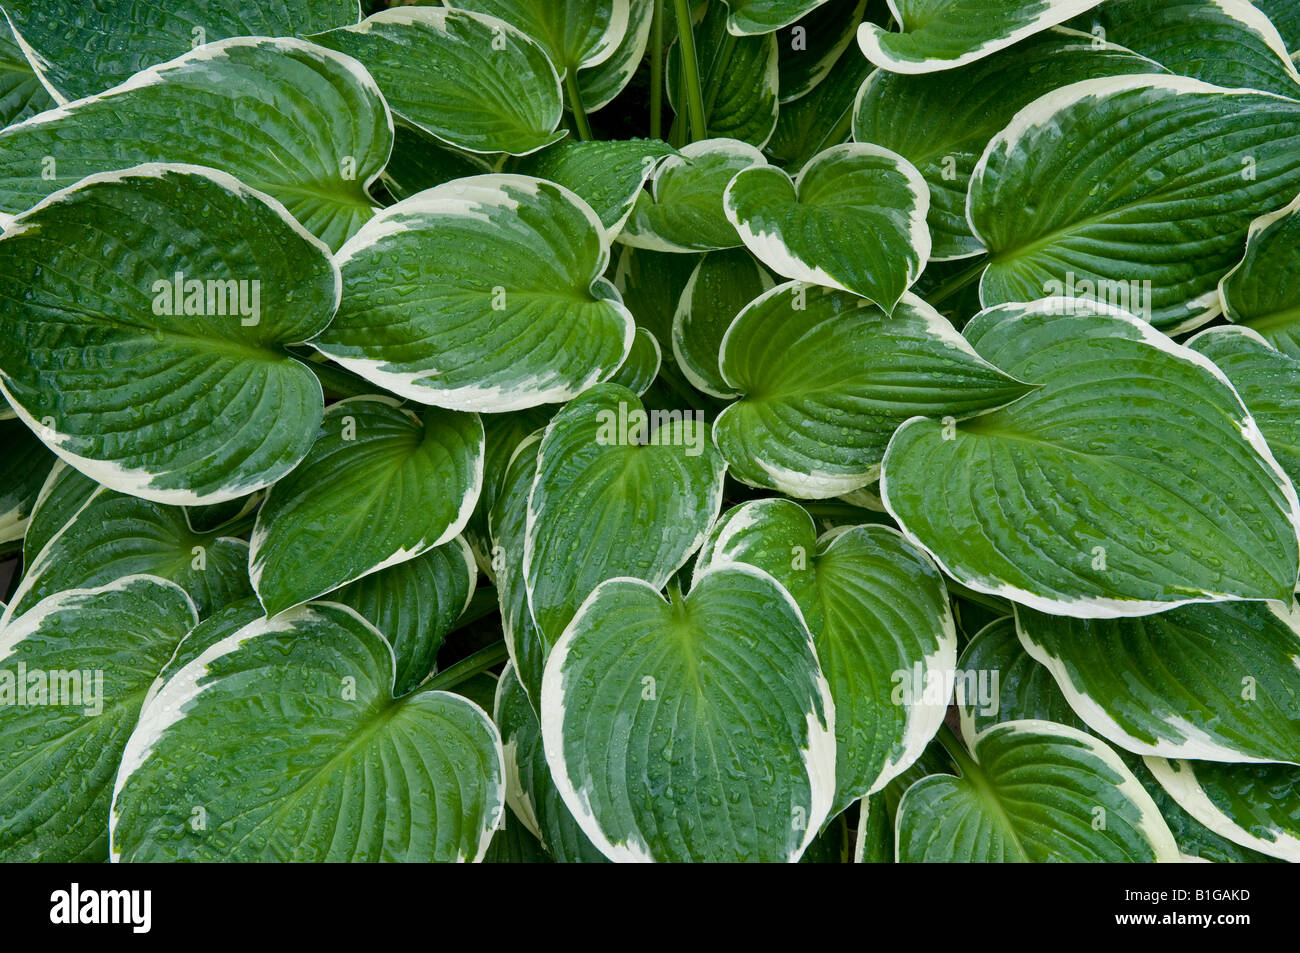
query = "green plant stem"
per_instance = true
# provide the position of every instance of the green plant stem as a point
(957, 751)
(690, 71)
(482, 660)
(657, 71)
(575, 105)
(958, 281)
(992, 603)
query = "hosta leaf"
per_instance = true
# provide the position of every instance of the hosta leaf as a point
(515, 844)
(414, 604)
(810, 47)
(651, 283)
(599, 84)
(574, 33)
(198, 406)
(764, 16)
(252, 107)
(380, 486)
(1225, 42)
(1102, 189)
(720, 287)
(740, 75)
(641, 368)
(619, 491)
(287, 735)
(83, 48)
(64, 491)
(471, 80)
(531, 792)
(96, 651)
(21, 92)
(853, 219)
(1285, 16)
(826, 378)
(1033, 791)
(1268, 383)
(943, 122)
(482, 294)
(1132, 481)
(508, 522)
(608, 176)
(1252, 295)
(420, 162)
(24, 465)
(1215, 682)
(683, 212)
(503, 433)
(1254, 805)
(880, 620)
(822, 118)
(942, 34)
(701, 730)
(112, 535)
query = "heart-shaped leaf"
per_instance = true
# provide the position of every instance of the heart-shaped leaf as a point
(942, 122)
(765, 16)
(619, 491)
(248, 106)
(942, 34)
(574, 33)
(287, 737)
(826, 378)
(112, 535)
(642, 366)
(683, 211)
(1254, 805)
(720, 287)
(73, 674)
(1250, 294)
(482, 294)
(880, 620)
(471, 80)
(1033, 791)
(145, 331)
(599, 84)
(502, 433)
(414, 604)
(380, 486)
(1132, 481)
(1055, 200)
(1215, 682)
(715, 703)
(84, 48)
(853, 219)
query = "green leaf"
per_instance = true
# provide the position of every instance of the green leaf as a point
(96, 651)
(82, 48)
(619, 491)
(1057, 202)
(608, 176)
(943, 34)
(250, 106)
(1254, 805)
(414, 604)
(472, 81)
(483, 294)
(21, 92)
(599, 84)
(1251, 294)
(1268, 383)
(853, 219)
(1285, 17)
(503, 433)
(720, 287)
(24, 465)
(64, 491)
(199, 406)
(515, 844)
(1132, 481)
(822, 118)
(811, 46)
(697, 731)
(575, 34)
(420, 162)
(683, 211)
(1228, 43)
(530, 790)
(111, 535)
(826, 378)
(1213, 682)
(641, 368)
(651, 283)
(880, 620)
(748, 17)
(942, 122)
(288, 736)
(1034, 791)
(739, 75)
(380, 486)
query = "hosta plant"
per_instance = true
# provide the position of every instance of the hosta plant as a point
(628, 430)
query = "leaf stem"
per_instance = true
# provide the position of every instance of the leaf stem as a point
(657, 72)
(957, 751)
(690, 71)
(575, 105)
(958, 281)
(468, 667)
